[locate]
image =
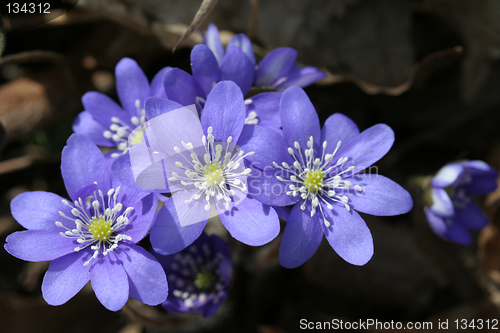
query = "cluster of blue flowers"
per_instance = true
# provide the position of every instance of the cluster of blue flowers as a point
(195, 144)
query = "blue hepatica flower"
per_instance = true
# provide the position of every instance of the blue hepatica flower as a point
(278, 69)
(316, 171)
(198, 276)
(204, 169)
(235, 66)
(108, 124)
(210, 63)
(90, 237)
(452, 213)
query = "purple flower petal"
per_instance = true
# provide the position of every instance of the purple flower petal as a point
(437, 223)
(141, 217)
(242, 42)
(65, 277)
(153, 177)
(110, 282)
(283, 212)
(171, 128)
(483, 178)
(299, 118)
(192, 212)
(302, 77)
(102, 108)
(155, 107)
(442, 204)
(251, 222)
(146, 277)
(224, 112)
(39, 245)
(226, 270)
(367, 148)
(86, 124)
(85, 192)
(82, 164)
(205, 68)
(338, 128)
(301, 238)
(268, 146)
(482, 184)
(265, 187)
(267, 107)
(237, 67)
(157, 89)
(39, 210)
(275, 65)
(379, 196)
(128, 196)
(168, 236)
(458, 234)
(471, 216)
(131, 85)
(448, 175)
(348, 235)
(179, 86)
(212, 40)
(122, 171)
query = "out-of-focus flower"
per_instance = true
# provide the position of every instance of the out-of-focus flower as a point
(108, 124)
(451, 212)
(198, 276)
(90, 237)
(317, 171)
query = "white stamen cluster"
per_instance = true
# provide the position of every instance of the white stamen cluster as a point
(216, 175)
(312, 178)
(187, 267)
(252, 119)
(119, 131)
(95, 222)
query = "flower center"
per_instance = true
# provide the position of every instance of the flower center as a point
(136, 137)
(96, 222)
(195, 277)
(100, 228)
(217, 178)
(123, 134)
(316, 179)
(204, 279)
(213, 174)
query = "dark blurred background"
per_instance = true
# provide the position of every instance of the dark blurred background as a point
(428, 68)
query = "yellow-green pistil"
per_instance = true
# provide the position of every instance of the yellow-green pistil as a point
(314, 180)
(100, 228)
(213, 174)
(204, 279)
